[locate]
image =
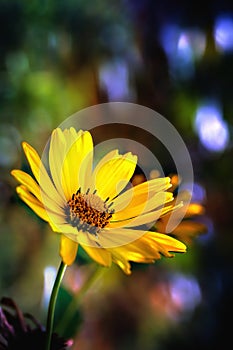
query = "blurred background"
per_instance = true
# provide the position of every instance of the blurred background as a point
(58, 57)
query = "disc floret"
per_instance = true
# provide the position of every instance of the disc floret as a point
(88, 212)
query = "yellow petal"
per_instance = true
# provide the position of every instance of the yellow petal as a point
(138, 251)
(110, 155)
(144, 219)
(32, 202)
(115, 237)
(62, 142)
(195, 209)
(41, 174)
(70, 136)
(77, 166)
(122, 236)
(121, 261)
(26, 180)
(189, 229)
(100, 255)
(175, 181)
(57, 150)
(146, 249)
(68, 250)
(113, 175)
(53, 218)
(140, 194)
(33, 159)
(157, 201)
(165, 243)
(32, 186)
(83, 238)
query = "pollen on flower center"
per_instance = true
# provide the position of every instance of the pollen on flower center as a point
(88, 212)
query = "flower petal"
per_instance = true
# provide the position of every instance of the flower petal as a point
(32, 202)
(83, 238)
(68, 250)
(100, 255)
(138, 196)
(138, 251)
(157, 201)
(146, 249)
(57, 150)
(116, 237)
(53, 218)
(27, 181)
(121, 261)
(187, 230)
(194, 209)
(110, 238)
(165, 243)
(77, 165)
(147, 218)
(41, 174)
(112, 176)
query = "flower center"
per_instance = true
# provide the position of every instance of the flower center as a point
(88, 212)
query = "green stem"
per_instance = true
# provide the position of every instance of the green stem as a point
(72, 307)
(52, 304)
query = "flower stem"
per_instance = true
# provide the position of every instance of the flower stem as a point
(52, 304)
(72, 307)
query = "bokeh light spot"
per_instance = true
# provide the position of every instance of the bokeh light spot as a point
(183, 47)
(185, 292)
(223, 33)
(211, 128)
(49, 278)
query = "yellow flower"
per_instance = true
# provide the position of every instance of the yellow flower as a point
(188, 217)
(89, 207)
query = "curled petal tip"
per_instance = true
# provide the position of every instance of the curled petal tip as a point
(24, 144)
